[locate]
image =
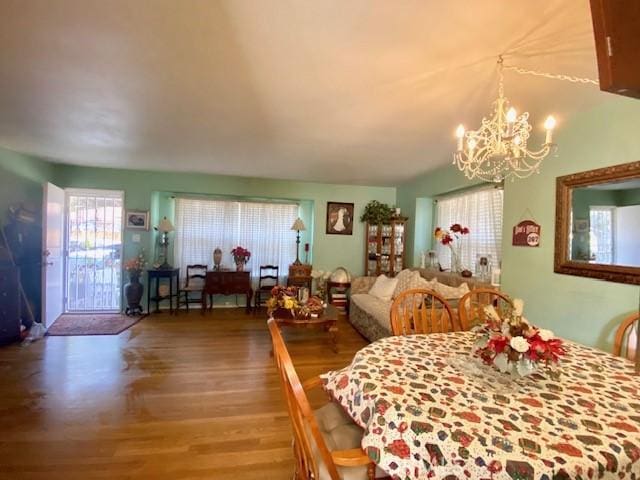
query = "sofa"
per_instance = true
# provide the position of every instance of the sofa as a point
(371, 316)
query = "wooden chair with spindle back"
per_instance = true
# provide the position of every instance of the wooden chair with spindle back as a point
(624, 343)
(421, 311)
(471, 306)
(269, 278)
(313, 432)
(194, 283)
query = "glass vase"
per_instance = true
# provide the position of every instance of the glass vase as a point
(456, 262)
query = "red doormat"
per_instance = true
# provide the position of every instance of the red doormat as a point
(92, 324)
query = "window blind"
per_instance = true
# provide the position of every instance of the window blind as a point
(481, 212)
(601, 241)
(202, 225)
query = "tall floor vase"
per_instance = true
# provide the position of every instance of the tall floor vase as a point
(133, 293)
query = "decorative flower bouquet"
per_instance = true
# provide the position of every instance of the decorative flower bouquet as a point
(284, 300)
(135, 266)
(313, 307)
(512, 345)
(240, 256)
(321, 277)
(451, 238)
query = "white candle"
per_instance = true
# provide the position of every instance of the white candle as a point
(511, 118)
(549, 125)
(460, 135)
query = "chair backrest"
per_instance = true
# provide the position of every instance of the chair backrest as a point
(196, 274)
(471, 306)
(421, 311)
(305, 428)
(268, 276)
(624, 343)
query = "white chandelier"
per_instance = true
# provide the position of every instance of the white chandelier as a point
(498, 149)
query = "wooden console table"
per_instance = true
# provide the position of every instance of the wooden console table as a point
(227, 283)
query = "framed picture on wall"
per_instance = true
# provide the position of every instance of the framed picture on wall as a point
(339, 218)
(581, 225)
(137, 220)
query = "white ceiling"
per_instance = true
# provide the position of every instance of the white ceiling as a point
(348, 91)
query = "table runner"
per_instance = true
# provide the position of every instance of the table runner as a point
(425, 416)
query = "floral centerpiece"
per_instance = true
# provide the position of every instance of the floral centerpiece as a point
(135, 266)
(451, 238)
(321, 277)
(240, 256)
(284, 302)
(283, 298)
(512, 345)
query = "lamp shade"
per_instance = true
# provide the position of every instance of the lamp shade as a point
(298, 225)
(165, 226)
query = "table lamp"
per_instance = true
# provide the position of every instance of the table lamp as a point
(164, 227)
(298, 226)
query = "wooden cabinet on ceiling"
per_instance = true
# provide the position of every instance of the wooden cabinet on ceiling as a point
(616, 25)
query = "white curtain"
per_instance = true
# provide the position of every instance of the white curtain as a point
(601, 241)
(262, 228)
(481, 212)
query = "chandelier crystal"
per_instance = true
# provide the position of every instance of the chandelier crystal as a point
(498, 149)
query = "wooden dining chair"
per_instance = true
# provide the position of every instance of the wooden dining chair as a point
(471, 306)
(421, 311)
(269, 278)
(624, 343)
(194, 282)
(327, 441)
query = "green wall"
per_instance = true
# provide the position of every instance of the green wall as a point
(577, 308)
(150, 191)
(21, 179)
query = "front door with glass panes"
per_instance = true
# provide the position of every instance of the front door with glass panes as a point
(93, 273)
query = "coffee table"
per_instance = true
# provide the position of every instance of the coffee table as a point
(328, 321)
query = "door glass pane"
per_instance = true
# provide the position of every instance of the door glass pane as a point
(94, 264)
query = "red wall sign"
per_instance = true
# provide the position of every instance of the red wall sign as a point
(526, 234)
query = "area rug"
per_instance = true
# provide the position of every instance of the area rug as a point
(92, 324)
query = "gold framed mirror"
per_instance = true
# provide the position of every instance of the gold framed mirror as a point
(598, 224)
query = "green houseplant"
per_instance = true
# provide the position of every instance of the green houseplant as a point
(376, 212)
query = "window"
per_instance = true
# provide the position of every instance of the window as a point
(601, 241)
(481, 212)
(263, 228)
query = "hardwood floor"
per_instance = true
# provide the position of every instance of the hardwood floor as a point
(187, 397)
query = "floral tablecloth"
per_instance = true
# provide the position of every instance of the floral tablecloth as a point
(427, 416)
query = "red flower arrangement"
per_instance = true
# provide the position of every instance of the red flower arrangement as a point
(511, 344)
(447, 237)
(240, 255)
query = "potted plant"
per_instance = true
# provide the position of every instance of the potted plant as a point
(377, 213)
(133, 290)
(240, 256)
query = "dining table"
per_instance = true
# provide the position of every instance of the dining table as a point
(430, 409)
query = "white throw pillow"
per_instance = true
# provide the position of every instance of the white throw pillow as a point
(407, 280)
(451, 292)
(383, 288)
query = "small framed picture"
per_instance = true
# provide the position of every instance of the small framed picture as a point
(137, 220)
(582, 225)
(339, 218)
